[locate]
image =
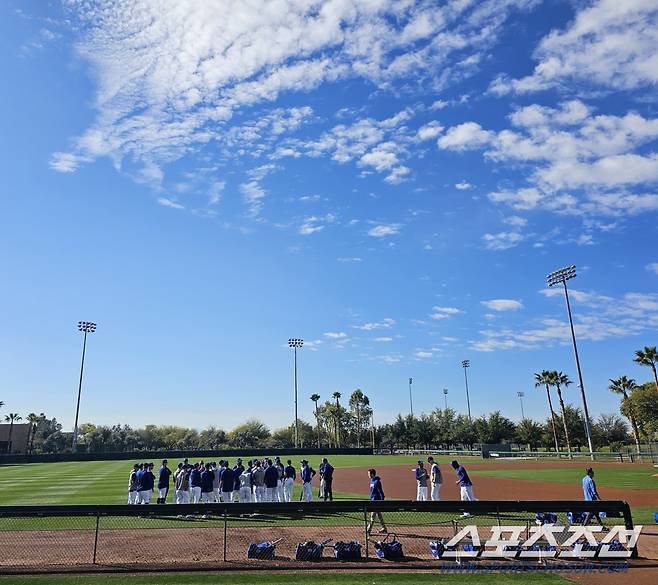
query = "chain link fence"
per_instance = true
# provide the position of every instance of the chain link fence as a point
(178, 537)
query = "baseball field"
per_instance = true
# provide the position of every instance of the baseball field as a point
(105, 482)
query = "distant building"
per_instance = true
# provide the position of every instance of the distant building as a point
(20, 437)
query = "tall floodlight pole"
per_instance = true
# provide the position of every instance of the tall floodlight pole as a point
(560, 277)
(521, 395)
(411, 402)
(467, 364)
(296, 343)
(445, 397)
(85, 327)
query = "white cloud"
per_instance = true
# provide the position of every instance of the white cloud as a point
(164, 201)
(385, 323)
(439, 313)
(610, 44)
(515, 221)
(336, 335)
(422, 354)
(599, 317)
(438, 105)
(503, 304)
(384, 230)
(463, 185)
(313, 224)
(502, 240)
(430, 130)
(170, 76)
(350, 259)
(383, 339)
(465, 137)
(652, 267)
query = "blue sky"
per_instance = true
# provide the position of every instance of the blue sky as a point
(389, 180)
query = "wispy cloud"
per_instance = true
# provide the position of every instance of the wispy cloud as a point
(384, 230)
(386, 323)
(652, 267)
(503, 304)
(439, 313)
(165, 202)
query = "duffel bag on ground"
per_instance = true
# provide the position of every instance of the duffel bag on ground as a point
(261, 550)
(436, 548)
(310, 550)
(347, 550)
(389, 549)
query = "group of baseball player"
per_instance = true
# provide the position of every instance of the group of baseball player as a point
(259, 481)
(436, 481)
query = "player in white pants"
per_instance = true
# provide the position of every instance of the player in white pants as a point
(132, 485)
(436, 479)
(245, 486)
(421, 481)
(289, 475)
(306, 474)
(465, 484)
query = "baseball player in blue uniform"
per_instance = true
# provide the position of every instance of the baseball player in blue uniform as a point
(306, 474)
(163, 482)
(207, 490)
(271, 482)
(238, 468)
(289, 476)
(590, 494)
(148, 483)
(327, 475)
(421, 482)
(376, 495)
(195, 483)
(132, 484)
(465, 484)
(228, 483)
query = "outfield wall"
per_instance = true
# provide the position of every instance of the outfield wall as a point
(157, 456)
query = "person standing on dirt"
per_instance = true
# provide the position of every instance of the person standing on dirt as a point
(421, 482)
(163, 482)
(327, 474)
(464, 482)
(436, 479)
(591, 494)
(376, 495)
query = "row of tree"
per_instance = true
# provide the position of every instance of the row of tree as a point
(342, 425)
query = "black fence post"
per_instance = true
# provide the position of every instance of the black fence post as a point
(98, 520)
(365, 528)
(225, 531)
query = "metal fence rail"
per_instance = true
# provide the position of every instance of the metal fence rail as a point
(178, 537)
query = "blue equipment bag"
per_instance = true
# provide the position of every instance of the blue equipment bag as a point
(389, 549)
(546, 518)
(437, 548)
(310, 550)
(261, 550)
(347, 550)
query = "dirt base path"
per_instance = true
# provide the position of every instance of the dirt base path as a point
(399, 483)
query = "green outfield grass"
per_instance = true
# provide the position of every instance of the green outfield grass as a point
(627, 476)
(289, 578)
(105, 482)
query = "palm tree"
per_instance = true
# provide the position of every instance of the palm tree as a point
(11, 418)
(559, 379)
(544, 379)
(648, 357)
(34, 420)
(623, 386)
(357, 400)
(337, 396)
(315, 398)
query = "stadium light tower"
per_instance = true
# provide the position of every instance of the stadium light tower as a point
(560, 277)
(411, 402)
(521, 395)
(85, 327)
(467, 364)
(445, 397)
(296, 344)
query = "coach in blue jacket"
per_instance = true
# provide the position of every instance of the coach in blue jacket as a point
(376, 495)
